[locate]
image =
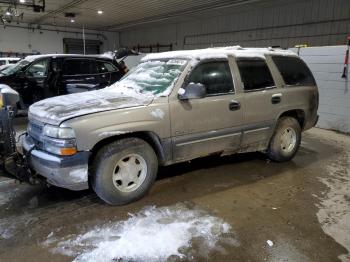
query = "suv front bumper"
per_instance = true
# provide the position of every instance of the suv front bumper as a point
(70, 172)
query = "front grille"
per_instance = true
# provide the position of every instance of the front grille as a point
(35, 131)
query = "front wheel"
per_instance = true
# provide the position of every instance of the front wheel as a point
(124, 171)
(285, 141)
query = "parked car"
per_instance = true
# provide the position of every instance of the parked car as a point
(172, 107)
(5, 61)
(42, 76)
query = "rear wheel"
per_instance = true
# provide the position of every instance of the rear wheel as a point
(124, 171)
(285, 142)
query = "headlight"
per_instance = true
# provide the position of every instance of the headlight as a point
(62, 151)
(58, 132)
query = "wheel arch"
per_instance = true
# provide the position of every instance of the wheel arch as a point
(298, 114)
(150, 137)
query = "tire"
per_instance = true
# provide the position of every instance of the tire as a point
(287, 130)
(116, 176)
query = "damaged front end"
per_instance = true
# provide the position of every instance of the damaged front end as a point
(12, 163)
(43, 159)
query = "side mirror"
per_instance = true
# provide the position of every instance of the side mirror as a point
(9, 97)
(192, 91)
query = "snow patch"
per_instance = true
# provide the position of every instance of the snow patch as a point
(181, 91)
(57, 109)
(153, 234)
(158, 113)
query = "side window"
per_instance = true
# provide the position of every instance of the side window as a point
(216, 76)
(105, 67)
(294, 71)
(255, 74)
(79, 67)
(38, 68)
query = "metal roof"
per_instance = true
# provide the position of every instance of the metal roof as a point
(119, 14)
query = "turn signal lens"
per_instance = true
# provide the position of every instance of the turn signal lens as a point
(68, 151)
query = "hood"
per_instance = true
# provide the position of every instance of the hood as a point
(58, 109)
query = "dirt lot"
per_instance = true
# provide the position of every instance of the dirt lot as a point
(238, 208)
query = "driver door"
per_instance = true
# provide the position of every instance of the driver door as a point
(35, 81)
(211, 124)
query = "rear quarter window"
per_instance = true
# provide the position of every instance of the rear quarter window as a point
(294, 71)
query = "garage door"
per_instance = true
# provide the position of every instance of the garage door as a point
(76, 46)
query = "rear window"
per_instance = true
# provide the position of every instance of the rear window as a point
(79, 67)
(294, 71)
(105, 67)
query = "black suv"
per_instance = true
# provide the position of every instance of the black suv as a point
(42, 76)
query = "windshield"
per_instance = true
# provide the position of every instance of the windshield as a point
(14, 69)
(157, 77)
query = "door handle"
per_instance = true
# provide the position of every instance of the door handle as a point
(276, 98)
(234, 105)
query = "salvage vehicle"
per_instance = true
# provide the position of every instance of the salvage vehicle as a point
(173, 107)
(41, 76)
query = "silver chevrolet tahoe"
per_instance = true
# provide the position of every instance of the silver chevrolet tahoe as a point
(172, 107)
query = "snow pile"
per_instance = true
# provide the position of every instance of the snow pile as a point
(334, 213)
(219, 53)
(157, 77)
(153, 234)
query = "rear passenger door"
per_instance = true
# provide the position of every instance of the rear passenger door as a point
(79, 75)
(260, 104)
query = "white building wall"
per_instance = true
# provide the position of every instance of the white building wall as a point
(327, 63)
(49, 39)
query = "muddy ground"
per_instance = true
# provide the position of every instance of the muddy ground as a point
(237, 208)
